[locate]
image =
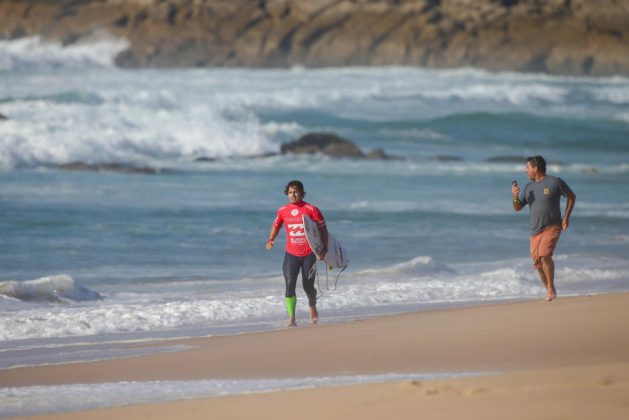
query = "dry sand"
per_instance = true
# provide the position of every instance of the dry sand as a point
(563, 359)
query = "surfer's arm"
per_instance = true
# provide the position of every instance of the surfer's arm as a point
(273, 235)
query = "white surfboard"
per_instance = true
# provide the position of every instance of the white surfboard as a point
(337, 255)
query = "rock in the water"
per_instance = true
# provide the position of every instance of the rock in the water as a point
(326, 143)
(380, 154)
(205, 159)
(108, 167)
(3, 117)
(446, 158)
(332, 145)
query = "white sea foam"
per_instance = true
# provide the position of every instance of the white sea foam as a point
(32, 53)
(502, 92)
(422, 265)
(59, 398)
(148, 129)
(418, 282)
(146, 313)
(612, 94)
(168, 117)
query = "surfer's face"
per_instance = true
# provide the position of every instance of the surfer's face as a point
(294, 195)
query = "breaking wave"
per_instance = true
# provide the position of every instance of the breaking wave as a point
(58, 288)
(32, 53)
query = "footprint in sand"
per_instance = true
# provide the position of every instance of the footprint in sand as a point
(417, 386)
(470, 392)
(441, 389)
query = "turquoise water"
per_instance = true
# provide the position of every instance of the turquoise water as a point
(103, 254)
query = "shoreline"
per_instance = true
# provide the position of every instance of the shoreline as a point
(527, 344)
(582, 392)
(171, 341)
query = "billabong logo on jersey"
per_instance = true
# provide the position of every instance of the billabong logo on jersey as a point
(546, 191)
(296, 229)
(294, 212)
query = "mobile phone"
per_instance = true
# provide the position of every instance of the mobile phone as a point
(514, 183)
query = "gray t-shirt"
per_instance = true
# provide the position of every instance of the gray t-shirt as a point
(543, 198)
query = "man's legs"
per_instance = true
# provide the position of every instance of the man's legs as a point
(547, 274)
(291, 270)
(542, 248)
(309, 287)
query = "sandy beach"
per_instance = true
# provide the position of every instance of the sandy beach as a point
(564, 359)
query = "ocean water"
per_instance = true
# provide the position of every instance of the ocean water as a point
(93, 262)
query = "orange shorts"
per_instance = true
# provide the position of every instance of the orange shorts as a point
(543, 244)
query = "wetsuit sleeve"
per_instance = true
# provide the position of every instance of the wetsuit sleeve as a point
(563, 187)
(317, 216)
(279, 221)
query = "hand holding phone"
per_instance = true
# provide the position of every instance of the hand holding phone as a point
(515, 189)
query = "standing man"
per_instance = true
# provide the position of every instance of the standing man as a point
(298, 255)
(543, 195)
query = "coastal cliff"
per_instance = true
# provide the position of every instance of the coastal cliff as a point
(570, 37)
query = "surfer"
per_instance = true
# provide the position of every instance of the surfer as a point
(299, 255)
(543, 196)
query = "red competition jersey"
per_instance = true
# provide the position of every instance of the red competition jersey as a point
(292, 215)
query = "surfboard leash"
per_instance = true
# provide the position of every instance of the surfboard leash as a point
(314, 270)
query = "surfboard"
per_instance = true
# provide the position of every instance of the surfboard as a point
(337, 255)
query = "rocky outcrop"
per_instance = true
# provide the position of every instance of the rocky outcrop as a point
(108, 167)
(507, 159)
(331, 145)
(577, 37)
(328, 144)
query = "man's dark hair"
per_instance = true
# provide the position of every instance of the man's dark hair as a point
(538, 162)
(295, 184)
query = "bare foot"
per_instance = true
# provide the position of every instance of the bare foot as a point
(550, 297)
(291, 322)
(314, 316)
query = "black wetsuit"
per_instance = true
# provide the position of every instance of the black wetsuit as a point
(292, 265)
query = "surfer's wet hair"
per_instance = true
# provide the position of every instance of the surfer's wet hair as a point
(538, 162)
(295, 184)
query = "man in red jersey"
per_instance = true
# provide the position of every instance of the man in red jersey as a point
(298, 255)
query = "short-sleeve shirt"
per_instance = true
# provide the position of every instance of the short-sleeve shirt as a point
(292, 216)
(544, 198)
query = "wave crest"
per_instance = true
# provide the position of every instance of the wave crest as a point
(418, 266)
(32, 53)
(58, 288)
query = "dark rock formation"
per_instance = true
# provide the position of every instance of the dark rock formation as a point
(108, 167)
(3, 117)
(507, 159)
(331, 145)
(379, 154)
(446, 158)
(578, 37)
(205, 159)
(326, 143)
